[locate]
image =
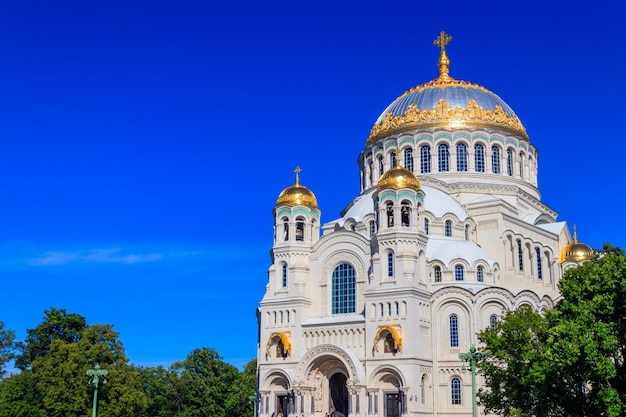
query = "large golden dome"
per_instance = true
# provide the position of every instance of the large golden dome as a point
(297, 195)
(446, 102)
(577, 251)
(397, 178)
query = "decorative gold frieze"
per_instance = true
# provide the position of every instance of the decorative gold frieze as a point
(444, 115)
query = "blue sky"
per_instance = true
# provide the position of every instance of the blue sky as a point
(143, 143)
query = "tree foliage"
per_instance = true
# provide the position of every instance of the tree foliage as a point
(57, 324)
(569, 361)
(53, 382)
(7, 346)
(58, 352)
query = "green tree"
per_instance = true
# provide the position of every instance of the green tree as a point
(7, 347)
(203, 384)
(57, 324)
(158, 384)
(61, 378)
(54, 382)
(570, 361)
(18, 397)
(238, 402)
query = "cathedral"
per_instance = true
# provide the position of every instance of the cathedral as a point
(367, 314)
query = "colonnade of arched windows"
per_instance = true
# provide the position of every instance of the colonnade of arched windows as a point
(466, 158)
(298, 229)
(528, 258)
(457, 273)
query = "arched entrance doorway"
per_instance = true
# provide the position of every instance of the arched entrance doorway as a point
(327, 378)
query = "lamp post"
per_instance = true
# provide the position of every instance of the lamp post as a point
(95, 375)
(472, 357)
(253, 400)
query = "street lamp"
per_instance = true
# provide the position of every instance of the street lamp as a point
(472, 357)
(253, 399)
(95, 375)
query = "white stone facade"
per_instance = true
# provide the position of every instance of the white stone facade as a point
(369, 319)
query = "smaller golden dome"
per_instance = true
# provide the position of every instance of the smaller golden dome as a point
(297, 195)
(398, 177)
(577, 251)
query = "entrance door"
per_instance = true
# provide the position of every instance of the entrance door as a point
(281, 405)
(392, 405)
(339, 398)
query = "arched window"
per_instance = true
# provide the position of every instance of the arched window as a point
(467, 232)
(390, 264)
(461, 157)
(393, 159)
(381, 165)
(444, 157)
(371, 171)
(539, 271)
(344, 289)
(408, 159)
(448, 228)
(405, 211)
(284, 276)
(493, 321)
(459, 273)
(389, 214)
(426, 226)
(520, 255)
(299, 229)
(521, 166)
(425, 159)
(285, 229)
(437, 274)
(372, 228)
(454, 330)
(479, 158)
(455, 390)
(480, 274)
(495, 159)
(509, 162)
(397, 308)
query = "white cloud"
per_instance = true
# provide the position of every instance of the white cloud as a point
(109, 256)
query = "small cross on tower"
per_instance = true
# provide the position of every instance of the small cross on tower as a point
(442, 40)
(297, 171)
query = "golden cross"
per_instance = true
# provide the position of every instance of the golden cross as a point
(442, 40)
(297, 171)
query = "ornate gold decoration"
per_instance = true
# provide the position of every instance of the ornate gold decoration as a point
(443, 114)
(284, 337)
(576, 251)
(397, 178)
(297, 195)
(444, 62)
(395, 334)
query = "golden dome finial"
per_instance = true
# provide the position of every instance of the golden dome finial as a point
(297, 194)
(444, 63)
(576, 251)
(297, 171)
